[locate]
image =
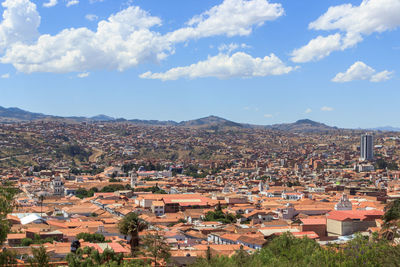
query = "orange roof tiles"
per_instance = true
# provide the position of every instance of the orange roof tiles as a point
(354, 214)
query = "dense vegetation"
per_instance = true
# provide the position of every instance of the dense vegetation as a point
(88, 257)
(7, 193)
(283, 250)
(83, 193)
(92, 238)
(25, 242)
(77, 151)
(219, 216)
(154, 190)
(287, 250)
(383, 164)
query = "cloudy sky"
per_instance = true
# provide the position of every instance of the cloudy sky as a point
(254, 61)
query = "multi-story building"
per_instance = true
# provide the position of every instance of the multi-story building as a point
(366, 147)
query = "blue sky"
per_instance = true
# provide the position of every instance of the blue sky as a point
(254, 61)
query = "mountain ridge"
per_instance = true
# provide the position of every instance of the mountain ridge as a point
(303, 125)
(14, 114)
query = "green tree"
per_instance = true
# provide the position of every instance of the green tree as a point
(391, 220)
(241, 257)
(25, 242)
(287, 250)
(220, 216)
(7, 258)
(40, 257)
(219, 207)
(89, 257)
(112, 188)
(93, 238)
(208, 254)
(157, 246)
(362, 251)
(130, 226)
(7, 192)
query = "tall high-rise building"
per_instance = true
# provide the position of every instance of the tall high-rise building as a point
(366, 147)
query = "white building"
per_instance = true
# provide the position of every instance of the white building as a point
(134, 176)
(58, 186)
(344, 203)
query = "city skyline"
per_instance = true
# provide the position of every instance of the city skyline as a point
(274, 62)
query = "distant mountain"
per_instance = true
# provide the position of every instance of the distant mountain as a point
(386, 129)
(16, 114)
(153, 122)
(304, 125)
(102, 117)
(209, 122)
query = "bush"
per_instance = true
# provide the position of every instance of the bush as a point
(26, 242)
(287, 250)
(93, 238)
(220, 216)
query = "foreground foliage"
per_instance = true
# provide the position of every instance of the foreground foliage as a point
(40, 258)
(89, 257)
(157, 247)
(7, 192)
(287, 250)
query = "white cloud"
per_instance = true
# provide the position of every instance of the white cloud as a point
(71, 3)
(91, 17)
(95, 1)
(231, 18)
(51, 3)
(20, 23)
(268, 115)
(352, 24)
(225, 66)
(360, 71)
(83, 75)
(317, 48)
(126, 39)
(308, 111)
(122, 41)
(325, 108)
(5, 76)
(382, 76)
(228, 47)
(231, 47)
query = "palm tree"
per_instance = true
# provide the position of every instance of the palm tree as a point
(391, 218)
(131, 225)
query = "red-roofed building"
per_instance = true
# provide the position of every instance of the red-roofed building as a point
(316, 225)
(174, 203)
(347, 222)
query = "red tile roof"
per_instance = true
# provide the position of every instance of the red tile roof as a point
(318, 221)
(362, 215)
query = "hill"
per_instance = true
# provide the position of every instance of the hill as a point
(210, 121)
(16, 114)
(386, 129)
(304, 125)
